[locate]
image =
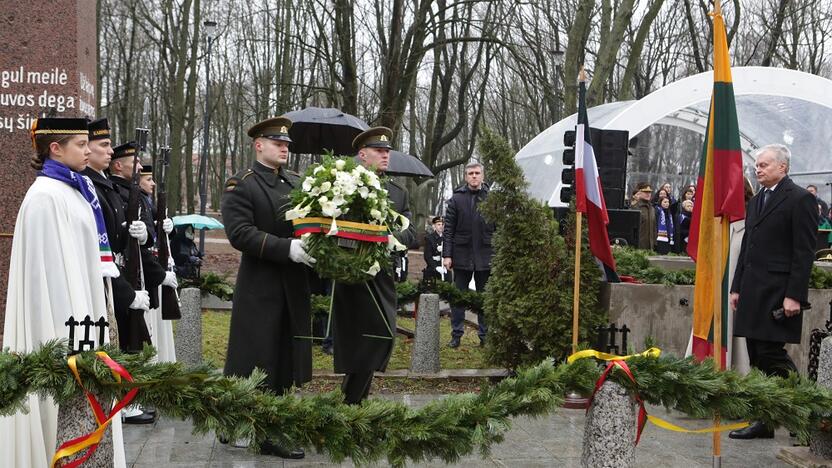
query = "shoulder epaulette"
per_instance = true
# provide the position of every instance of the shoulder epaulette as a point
(247, 173)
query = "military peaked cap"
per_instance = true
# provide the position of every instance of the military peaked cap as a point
(125, 150)
(376, 137)
(99, 129)
(275, 128)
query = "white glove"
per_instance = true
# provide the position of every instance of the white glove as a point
(141, 301)
(167, 225)
(171, 263)
(138, 231)
(297, 253)
(170, 280)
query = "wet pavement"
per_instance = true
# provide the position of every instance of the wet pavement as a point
(551, 441)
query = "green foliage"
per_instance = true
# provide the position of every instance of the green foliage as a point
(820, 278)
(444, 429)
(528, 300)
(633, 262)
(211, 283)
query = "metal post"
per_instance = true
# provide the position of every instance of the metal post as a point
(206, 127)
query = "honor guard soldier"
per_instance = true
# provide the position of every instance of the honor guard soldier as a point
(270, 318)
(123, 295)
(355, 312)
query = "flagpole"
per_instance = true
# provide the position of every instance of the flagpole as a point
(719, 265)
(577, 284)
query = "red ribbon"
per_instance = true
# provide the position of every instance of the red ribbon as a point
(92, 439)
(642, 413)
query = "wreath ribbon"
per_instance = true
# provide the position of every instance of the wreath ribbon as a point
(92, 439)
(346, 229)
(615, 361)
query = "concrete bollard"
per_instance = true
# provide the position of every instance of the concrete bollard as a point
(820, 443)
(610, 430)
(75, 419)
(425, 356)
(189, 329)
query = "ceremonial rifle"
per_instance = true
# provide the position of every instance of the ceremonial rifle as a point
(170, 298)
(137, 332)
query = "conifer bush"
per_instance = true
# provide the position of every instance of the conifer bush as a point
(528, 299)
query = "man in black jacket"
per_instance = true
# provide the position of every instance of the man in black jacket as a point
(270, 318)
(771, 282)
(467, 247)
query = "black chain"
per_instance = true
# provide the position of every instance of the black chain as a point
(816, 339)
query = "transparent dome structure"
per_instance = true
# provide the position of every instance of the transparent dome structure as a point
(774, 105)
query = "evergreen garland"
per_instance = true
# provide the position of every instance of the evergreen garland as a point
(447, 429)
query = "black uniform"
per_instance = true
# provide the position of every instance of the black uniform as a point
(270, 319)
(433, 257)
(132, 328)
(355, 315)
(775, 262)
(154, 273)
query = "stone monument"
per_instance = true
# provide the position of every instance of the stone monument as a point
(189, 328)
(425, 358)
(48, 61)
(610, 429)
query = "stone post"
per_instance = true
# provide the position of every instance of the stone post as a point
(425, 357)
(820, 443)
(75, 419)
(610, 430)
(47, 61)
(189, 329)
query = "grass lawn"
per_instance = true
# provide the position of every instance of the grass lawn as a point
(215, 325)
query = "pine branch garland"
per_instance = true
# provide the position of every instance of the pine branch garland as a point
(444, 429)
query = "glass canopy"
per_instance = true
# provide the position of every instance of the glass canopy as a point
(774, 105)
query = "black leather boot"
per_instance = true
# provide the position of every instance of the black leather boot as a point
(757, 430)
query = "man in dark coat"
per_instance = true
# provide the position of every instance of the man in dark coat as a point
(467, 247)
(270, 318)
(773, 270)
(433, 252)
(101, 153)
(364, 314)
(647, 222)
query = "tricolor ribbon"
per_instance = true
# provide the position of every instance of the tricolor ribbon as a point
(91, 440)
(615, 361)
(346, 229)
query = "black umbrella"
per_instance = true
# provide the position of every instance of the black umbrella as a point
(316, 130)
(403, 164)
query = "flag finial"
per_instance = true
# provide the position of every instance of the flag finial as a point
(582, 75)
(717, 7)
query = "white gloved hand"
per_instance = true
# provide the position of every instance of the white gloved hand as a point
(297, 253)
(138, 231)
(171, 263)
(170, 280)
(141, 301)
(167, 225)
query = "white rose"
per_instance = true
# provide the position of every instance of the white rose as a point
(339, 164)
(326, 186)
(334, 171)
(375, 214)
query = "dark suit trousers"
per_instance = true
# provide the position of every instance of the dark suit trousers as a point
(461, 279)
(770, 357)
(356, 386)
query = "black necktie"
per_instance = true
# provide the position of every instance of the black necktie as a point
(766, 195)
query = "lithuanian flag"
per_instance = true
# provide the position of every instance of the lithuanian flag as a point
(719, 201)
